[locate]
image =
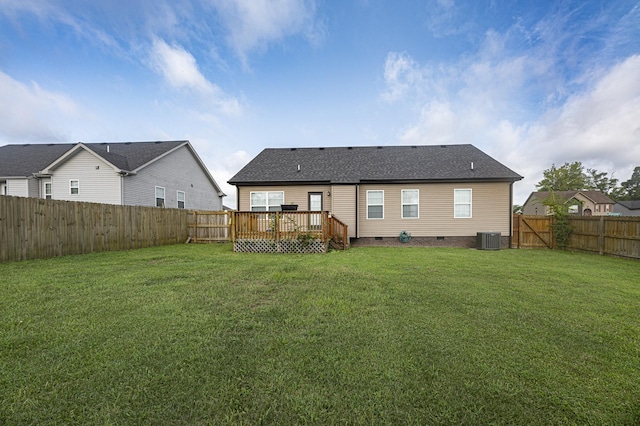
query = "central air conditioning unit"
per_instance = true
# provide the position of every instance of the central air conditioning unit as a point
(489, 241)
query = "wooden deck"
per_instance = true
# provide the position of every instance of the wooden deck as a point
(298, 229)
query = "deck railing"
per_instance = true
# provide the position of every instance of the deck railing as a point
(289, 225)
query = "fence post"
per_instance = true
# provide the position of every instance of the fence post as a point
(601, 236)
(195, 226)
(232, 225)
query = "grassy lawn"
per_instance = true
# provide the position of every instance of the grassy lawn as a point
(196, 334)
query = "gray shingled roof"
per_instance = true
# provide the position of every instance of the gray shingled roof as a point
(631, 205)
(373, 164)
(26, 159)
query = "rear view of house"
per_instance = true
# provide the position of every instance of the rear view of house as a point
(161, 174)
(421, 195)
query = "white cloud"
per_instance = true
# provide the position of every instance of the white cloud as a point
(180, 69)
(49, 11)
(254, 24)
(31, 113)
(599, 127)
(488, 105)
(401, 74)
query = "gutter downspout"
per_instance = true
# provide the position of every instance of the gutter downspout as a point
(357, 212)
(511, 215)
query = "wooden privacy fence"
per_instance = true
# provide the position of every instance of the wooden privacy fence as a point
(33, 228)
(605, 235)
(209, 226)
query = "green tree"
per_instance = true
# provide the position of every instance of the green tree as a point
(599, 181)
(631, 187)
(568, 177)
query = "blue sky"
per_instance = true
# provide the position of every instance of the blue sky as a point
(531, 83)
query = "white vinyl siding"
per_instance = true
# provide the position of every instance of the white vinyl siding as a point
(266, 201)
(178, 170)
(160, 196)
(99, 182)
(462, 203)
(375, 204)
(410, 204)
(17, 187)
(181, 199)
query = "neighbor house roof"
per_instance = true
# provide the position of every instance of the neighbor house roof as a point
(630, 204)
(596, 196)
(22, 160)
(25, 160)
(126, 156)
(338, 165)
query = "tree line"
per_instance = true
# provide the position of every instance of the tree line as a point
(574, 177)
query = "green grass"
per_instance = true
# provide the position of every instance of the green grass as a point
(197, 334)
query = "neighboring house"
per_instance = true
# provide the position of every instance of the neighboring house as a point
(162, 174)
(627, 208)
(582, 203)
(440, 195)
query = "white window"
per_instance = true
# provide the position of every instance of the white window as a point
(159, 196)
(47, 190)
(375, 204)
(573, 209)
(181, 199)
(462, 203)
(74, 187)
(410, 203)
(266, 201)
